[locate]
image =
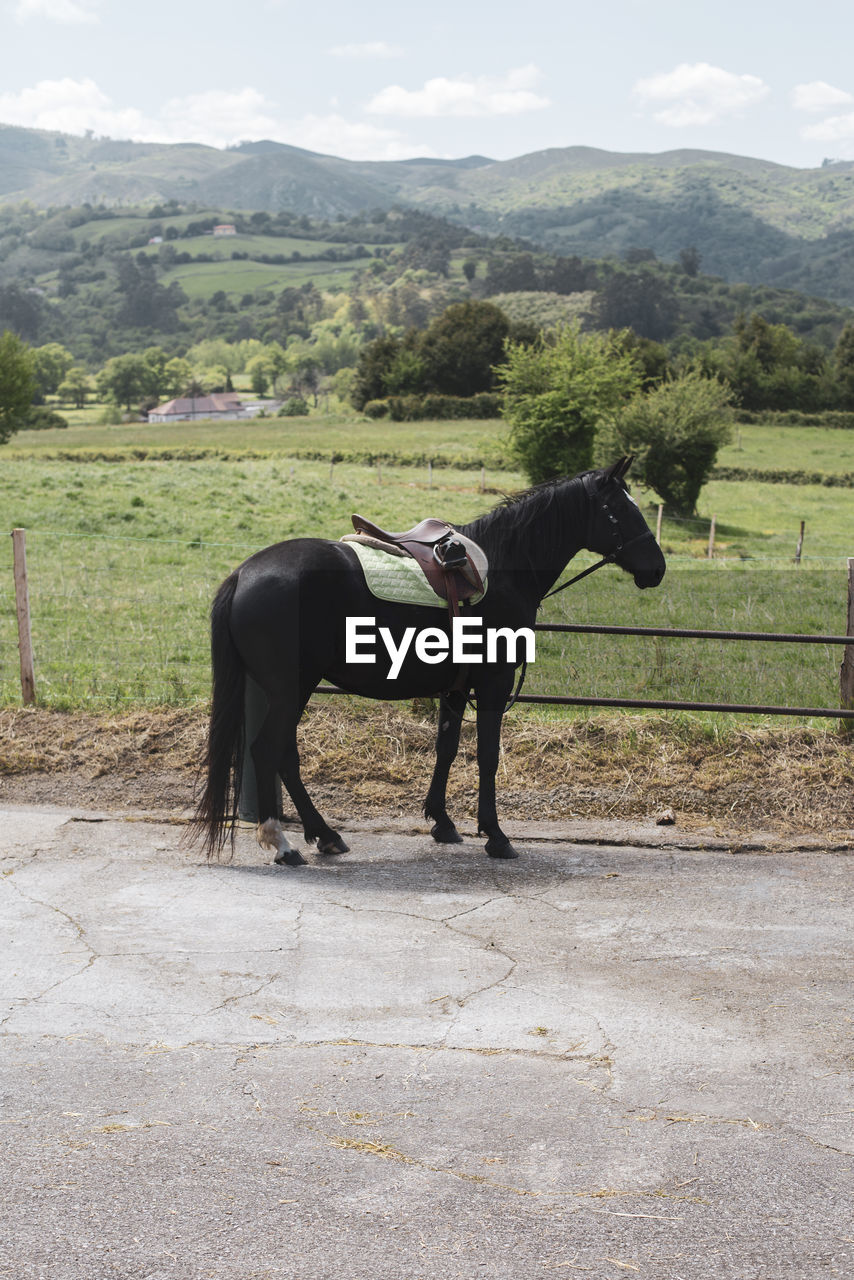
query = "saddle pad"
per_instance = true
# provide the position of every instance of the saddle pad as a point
(398, 578)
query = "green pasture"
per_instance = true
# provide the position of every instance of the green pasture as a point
(754, 446)
(224, 246)
(124, 558)
(324, 432)
(776, 448)
(204, 279)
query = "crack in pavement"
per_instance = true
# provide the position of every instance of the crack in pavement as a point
(24, 1001)
(245, 995)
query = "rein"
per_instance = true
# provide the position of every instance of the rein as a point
(584, 572)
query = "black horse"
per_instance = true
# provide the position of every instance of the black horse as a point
(281, 618)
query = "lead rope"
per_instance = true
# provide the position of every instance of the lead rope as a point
(584, 572)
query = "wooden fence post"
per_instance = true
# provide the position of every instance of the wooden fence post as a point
(430, 473)
(799, 548)
(711, 551)
(846, 671)
(22, 606)
(483, 479)
(658, 523)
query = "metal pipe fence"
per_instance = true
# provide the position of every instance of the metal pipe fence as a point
(122, 621)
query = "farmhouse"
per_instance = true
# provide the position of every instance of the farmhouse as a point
(221, 404)
(225, 229)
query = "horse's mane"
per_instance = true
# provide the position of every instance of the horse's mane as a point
(504, 531)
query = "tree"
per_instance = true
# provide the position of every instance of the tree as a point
(674, 432)
(556, 392)
(469, 269)
(770, 367)
(22, 310)
(462, 346)
(176, 375)
(155, 360)
(306, 376)
(375, 361)
(75, 387)
(123, 379)
(843, 360)
(639, 300)
(689, 260)
(513, 274)
(17, 383)
(261, 373)
(51, 363)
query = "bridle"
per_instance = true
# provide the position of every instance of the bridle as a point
(599, 506)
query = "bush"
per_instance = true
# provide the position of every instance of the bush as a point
(443, 408)
(555, 394)
(674, 432)
(376, 409)
(296, 407)
(40, 418)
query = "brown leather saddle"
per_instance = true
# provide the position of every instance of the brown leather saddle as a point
(453, 564)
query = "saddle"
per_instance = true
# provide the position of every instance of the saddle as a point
(453, 564)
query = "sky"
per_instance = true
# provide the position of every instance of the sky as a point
(386, 81)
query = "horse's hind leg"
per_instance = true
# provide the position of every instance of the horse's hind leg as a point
(314, 825)
(451, 708)
(266, 750)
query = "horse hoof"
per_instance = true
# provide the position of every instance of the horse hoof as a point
(500, 848)
(290, 858)
(336, 845)
(446, 833)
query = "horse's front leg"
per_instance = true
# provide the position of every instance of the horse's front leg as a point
(491, 701)
(451, 708)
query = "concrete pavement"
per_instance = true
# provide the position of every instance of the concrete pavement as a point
(417, 1062)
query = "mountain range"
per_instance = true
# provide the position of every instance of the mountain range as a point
(751, 220)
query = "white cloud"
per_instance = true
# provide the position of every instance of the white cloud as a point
(819, 96)
(67, 11)
(697, 93)
(510, 94)
(353, 139)
(833, 129)
(70, 106)
(371, 49)
(216, 118)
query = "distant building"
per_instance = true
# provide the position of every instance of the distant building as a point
(225, 229)
(156, 240)
(222, 404)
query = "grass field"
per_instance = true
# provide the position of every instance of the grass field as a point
(754, 446)
(204, 279)
(124, 558)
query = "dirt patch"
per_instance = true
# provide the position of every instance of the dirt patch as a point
(365, 761)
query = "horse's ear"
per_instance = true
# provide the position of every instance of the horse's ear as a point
(619, 468)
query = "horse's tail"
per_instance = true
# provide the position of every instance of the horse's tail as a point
(222, 763)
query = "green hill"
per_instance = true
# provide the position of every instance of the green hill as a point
(751, 220)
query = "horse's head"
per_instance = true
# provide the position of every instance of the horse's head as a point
(616, 527)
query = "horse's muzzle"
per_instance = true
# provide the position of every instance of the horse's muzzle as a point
(650, 577)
